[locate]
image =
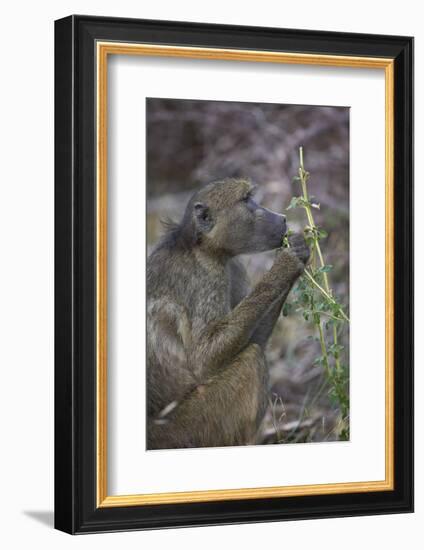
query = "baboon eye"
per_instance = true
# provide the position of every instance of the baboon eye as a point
(202, 212)
(250, 203)
(250, 194)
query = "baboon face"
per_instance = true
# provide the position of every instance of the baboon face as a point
(228, 219)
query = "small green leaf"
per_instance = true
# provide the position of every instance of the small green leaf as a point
(325, 269)
(294, 203)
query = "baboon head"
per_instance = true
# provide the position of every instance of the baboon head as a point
(224, 218)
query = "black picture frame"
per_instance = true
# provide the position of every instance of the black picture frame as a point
(76, 508)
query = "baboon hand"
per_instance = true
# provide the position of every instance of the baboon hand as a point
(290, 262)
(298, 247)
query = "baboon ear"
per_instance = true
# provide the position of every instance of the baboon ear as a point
(202, 217)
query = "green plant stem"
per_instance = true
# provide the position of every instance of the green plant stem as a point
(325, 293)
(324, 350)
(321, 312)
(334, 374)
(303, 175)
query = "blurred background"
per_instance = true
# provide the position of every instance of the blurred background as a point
(190, 143)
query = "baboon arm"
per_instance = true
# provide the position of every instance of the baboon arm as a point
(266, 326)
(223, 340)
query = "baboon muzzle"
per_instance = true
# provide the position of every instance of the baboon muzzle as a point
(273, 225)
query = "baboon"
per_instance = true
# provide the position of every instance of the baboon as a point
(206, 371)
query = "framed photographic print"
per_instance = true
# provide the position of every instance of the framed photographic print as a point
(234, 268)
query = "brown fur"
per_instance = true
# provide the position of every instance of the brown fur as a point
(206, 371)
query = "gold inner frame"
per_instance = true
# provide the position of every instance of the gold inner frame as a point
(103, 50)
